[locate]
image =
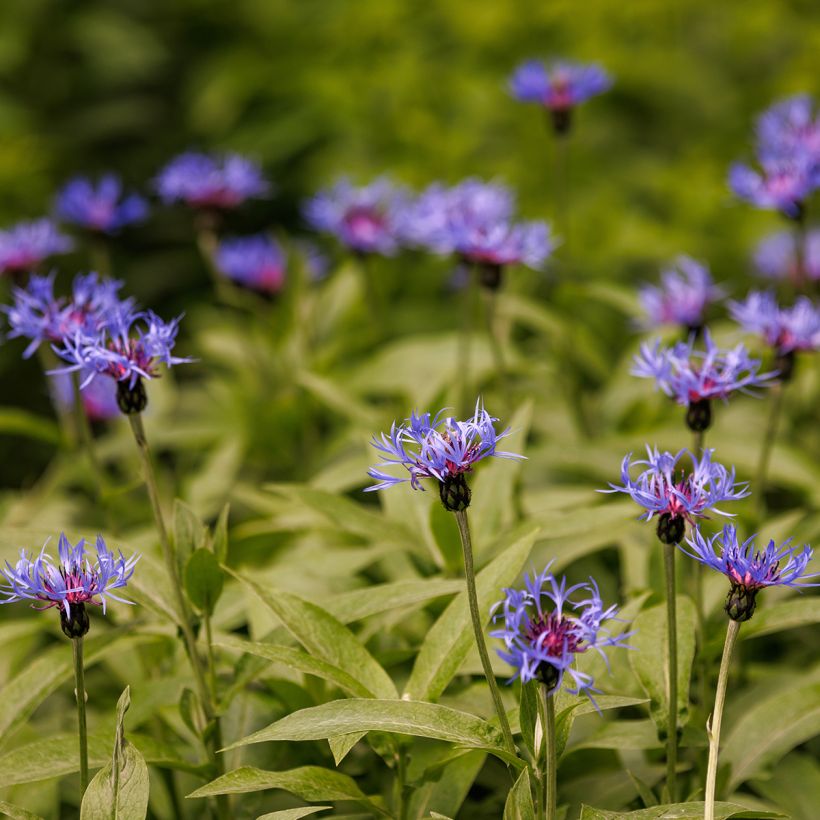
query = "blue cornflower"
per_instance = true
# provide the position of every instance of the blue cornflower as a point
(257, 262)
(128, 349)
(790, 128)
(686, 291)
(441, 448)
(695, 377)
(27, 244)
(559, 87)
(676, 495)
(37, 314)
(211, 182)
(364, 219)
(544, 629)
(782, 184)
(775, 256)
(100, 207)
(72, 582)
(749, 570)
(786, 329)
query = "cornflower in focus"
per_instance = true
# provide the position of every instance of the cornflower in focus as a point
(748, 569)
(256, 262)
(694, 377)
(102, 207)
(441, 448)
(40, 316)
(128, 349)
(26, 245)
(76, 579)
(211, 182)
(364, 219)
(685, 293)
(545, 628)
(776, 257)
(786, 330)
(677, 495)
(559, 87)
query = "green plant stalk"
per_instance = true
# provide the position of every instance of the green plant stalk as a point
(541, 771)
(549, 781)
(84, 434)
(490, 315)
(466, 339)
(79, 692)
(478, 628)
(672, 671)
(206, 619)
(775, 406)
(713, 727)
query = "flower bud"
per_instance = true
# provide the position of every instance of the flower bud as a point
(740, 602)
(489, 275)
(561, 120)
(454, 493)
(699, 415)
(670, 528)
(77, 623)
(784, 363)
(131, 399)
(548, 675)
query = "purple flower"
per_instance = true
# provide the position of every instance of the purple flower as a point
(749, 570)
(559, 86)
(676, 495)
(99, 396)
(257, 262)
(364, 219)
(441, 448)
(786, 329)
(790, 128)
(37, 314)
(782, 184)
(72, 582)
(221, 182)
(28, 244)
(686, 291)
(775, 257)
(102, 207)
(544, 629)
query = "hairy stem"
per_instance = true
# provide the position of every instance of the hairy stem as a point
(478, 628)
(713, 727)
(671, 671)
(79, 692)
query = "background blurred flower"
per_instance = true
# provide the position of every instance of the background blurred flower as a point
(782, 184)
(25, 245)
(790, 128)
(99, 396)
(102, 207)
(786, 330)
(257, 262)
(775, 256)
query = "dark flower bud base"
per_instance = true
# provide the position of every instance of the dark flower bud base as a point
(784, 363)
(131, 400)
(548, 675)
(77, 623)
(455, 494)
(561, 120)
(740, 603)
(699, 415)
(671, 528)
(489, 275)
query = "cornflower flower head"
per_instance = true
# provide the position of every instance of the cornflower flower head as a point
(27, 244)
(99, 396)
(102, 207)
(256, 262)
(676, 495)
(441, 448)
(685, 292)
(790, 128)
(782, 183)
(748, 569)
(559, 87)
(40, 316)
(775, 257)
(211, 182)
(694, 377)
(128, 349)
(77, 578)
(363, 218)
(545, 628)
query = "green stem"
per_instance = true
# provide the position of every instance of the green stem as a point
(490, 314)
(550, 758)
(776, 403)
(541, 795)
(672, 671)
(79, 692)
(206, 618)
(562, 197)
(466, 338)
(697, 444)
(713, 727)
(399, 786)
(478, 628)
(84, 434)
(100, 256)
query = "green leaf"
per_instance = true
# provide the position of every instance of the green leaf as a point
(401, 716)
(445, 791)
(203, 580)
(293, 814)
(325, 638)
(17, 422)
(788, 721)
(340, 745)
(519, 800)
(451, 636)
(189, 532)
(649, 662)
(679, 811)
(219, 539)
(16, 813)
(621, 734)
(794, 786)
(528, 714)
(782, 615)
(307, 782)
(569, 707)
(119, 791)
(301, 661)
(445, 531)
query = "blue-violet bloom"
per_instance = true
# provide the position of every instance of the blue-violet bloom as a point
(787, 329)
(544, 630)
(76, 579)
(102, 207)
(256, 262)
(99, 397)
(781, 184)
(27, 244)
(211, 182)
(775, 257)
(790, 128)
(748, 569)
